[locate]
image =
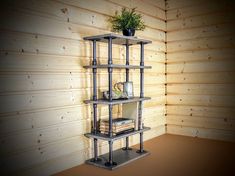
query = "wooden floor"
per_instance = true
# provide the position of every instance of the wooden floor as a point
(172, 155)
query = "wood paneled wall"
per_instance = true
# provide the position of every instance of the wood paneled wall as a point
(43, 83)
(200, 68)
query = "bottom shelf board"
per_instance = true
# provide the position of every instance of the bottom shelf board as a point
(120, 157)
(120, 136)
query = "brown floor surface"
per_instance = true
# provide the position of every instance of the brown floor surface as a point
(172, 155)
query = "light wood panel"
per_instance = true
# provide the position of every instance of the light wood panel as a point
(198, 8)
(202, 78)
(201, 44)
(200, 69)
(201, 122)
(201, 55)
(212, 112)
(201, 100)
(209, 133)
(172, 4)
(18, 21)
(201, 20)
(157, 3)
(78, 156)
(202, 32)
(62, 81)
(201, 89)
(43, 82)
(143, 7)
(29, 43)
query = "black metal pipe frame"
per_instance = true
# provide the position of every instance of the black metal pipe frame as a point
(127, 61)
(94, 70)
(110, 70)
(140, 125)
(110, 164)
(127, 79)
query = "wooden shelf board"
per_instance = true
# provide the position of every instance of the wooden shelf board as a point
(113, 102)
(118, 66)
(118, 39)
(107, 138)
(120, 157)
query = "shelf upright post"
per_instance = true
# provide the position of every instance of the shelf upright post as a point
(110, 70)
(127, 60)
(127, 80)
(94, 71)
(140, 124)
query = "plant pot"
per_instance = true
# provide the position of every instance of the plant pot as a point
(128, 32)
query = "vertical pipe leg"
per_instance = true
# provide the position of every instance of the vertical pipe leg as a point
(141, 143)
(127, 79)
(94, 71)
(95, 131)
(127, 62)
(141, 70)
(95, 150)
(110, 70)
(110, 163)
(110, 152)
(127, 145)
(140, 124)
(110, 121)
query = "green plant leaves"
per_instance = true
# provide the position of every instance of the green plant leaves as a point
(128, 19)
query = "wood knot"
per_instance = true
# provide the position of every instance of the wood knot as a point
(64, 10)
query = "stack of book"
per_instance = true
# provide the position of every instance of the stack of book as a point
(119, 126)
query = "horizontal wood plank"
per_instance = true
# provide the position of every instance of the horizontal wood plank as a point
(41, 44)
(212, 112)
(202, 67)
(202, 8)
(201, 100)
(201, 132)
(201, 89)
(18, 21)
(201, 122)
(201, 44)
(201, 19)
(202, 32)
(142, 7)
(157, 3)
(171, 4)
(201, 55)
(201, 78)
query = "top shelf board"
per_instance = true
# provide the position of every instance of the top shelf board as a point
(118, 66)
(118, 39)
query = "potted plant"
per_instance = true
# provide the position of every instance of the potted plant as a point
(127, 22)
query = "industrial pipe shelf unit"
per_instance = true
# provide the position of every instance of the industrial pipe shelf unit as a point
(117, 158)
